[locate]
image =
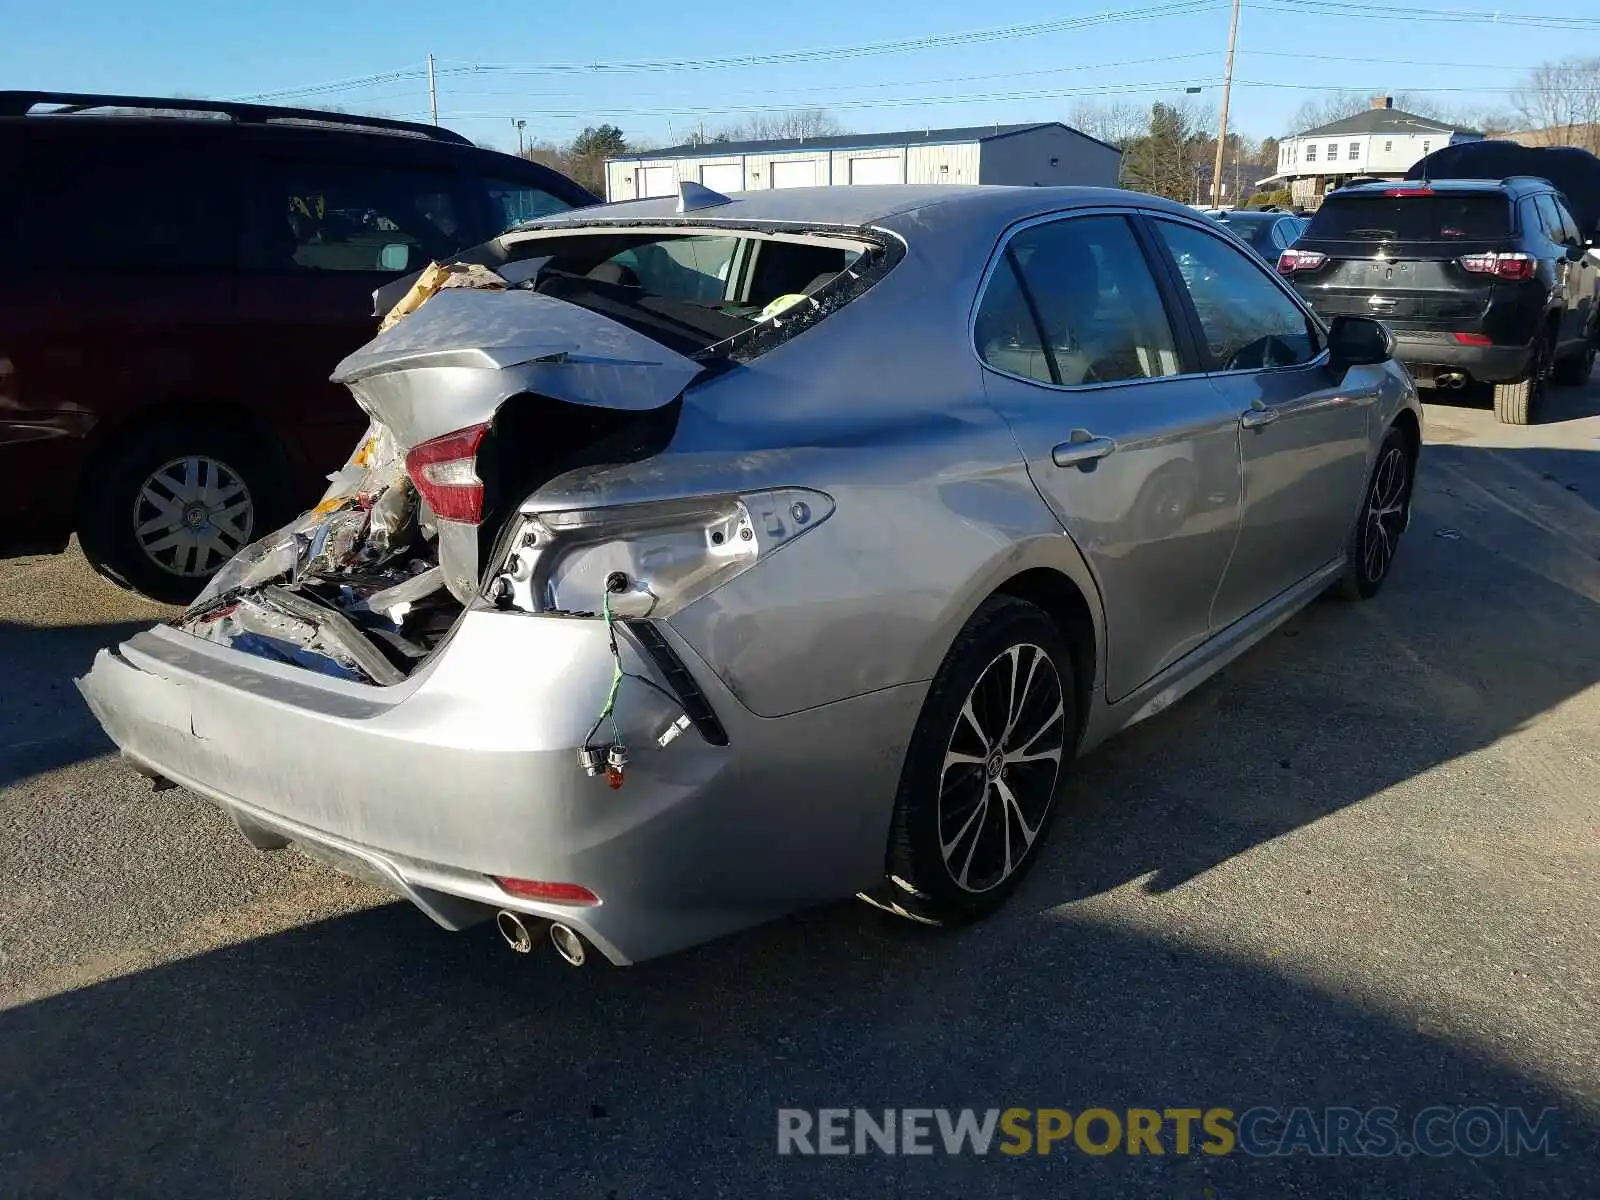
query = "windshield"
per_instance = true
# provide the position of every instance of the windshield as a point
(1425, 217)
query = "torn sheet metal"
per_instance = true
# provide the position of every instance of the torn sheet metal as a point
(365, 519)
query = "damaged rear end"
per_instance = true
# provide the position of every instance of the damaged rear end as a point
(471, 412)
(420, 680)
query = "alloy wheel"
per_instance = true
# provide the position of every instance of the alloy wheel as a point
(192, 515)
(1386, 514)
(1001, 768)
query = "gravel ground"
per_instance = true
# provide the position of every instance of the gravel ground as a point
(1357, 869)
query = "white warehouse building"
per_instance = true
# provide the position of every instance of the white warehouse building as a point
(1035, 155)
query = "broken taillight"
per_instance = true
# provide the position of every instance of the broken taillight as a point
(652, 558)
(1515, 266)
(445, 472)
(555, 893)
(1291, 261)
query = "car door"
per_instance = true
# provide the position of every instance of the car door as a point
(1580, 270)
(1303, 429)
(325, 232)
(1132, 448)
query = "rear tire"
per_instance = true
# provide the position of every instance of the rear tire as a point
(1518, 403)
(979, 787)
(174, 502)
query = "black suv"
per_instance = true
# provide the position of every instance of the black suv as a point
(1486, 280)
(180, 279)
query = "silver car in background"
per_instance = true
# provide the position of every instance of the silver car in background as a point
(712, 557)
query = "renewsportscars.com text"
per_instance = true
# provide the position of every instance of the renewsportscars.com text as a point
(1476, 1131)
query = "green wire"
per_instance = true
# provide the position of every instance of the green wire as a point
(609, 711)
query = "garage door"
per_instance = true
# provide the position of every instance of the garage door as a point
(794, 174)
(658, 181)
(874, 170)
(728, 177)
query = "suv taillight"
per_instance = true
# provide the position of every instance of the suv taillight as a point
(1291, 261)
(1515, 267)
(445, 471)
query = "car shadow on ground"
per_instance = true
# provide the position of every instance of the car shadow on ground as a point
(373, 1055)
(44, 723)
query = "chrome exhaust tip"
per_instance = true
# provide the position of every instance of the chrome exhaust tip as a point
(516, 931)
(568, 944)
(1452, 380)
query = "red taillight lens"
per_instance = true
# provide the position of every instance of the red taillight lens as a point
(555, 893)
(445, 471)
(1515, 267)
(1408, 191)
(1473, 339)
(1291, 261)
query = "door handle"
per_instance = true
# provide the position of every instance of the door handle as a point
(1255, 418)
(1081, 451)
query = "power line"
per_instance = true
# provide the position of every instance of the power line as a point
(1362, 11)
(341, 85)
(1154, 87)
(832, 53)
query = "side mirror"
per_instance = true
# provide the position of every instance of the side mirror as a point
(1359, 342)
(396, 256)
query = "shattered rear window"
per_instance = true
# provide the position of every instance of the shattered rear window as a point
(709, 293)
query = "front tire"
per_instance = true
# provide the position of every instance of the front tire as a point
(1385, 512)
(1575, 369)
(979, 787)
(176, 501)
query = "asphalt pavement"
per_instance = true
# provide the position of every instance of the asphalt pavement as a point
(1357, 869)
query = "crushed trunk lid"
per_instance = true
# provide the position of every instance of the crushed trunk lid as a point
(455, 360)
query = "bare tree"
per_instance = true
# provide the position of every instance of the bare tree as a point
(1335, 106)
(1117, 123)
(796, 123)
(1563, 98)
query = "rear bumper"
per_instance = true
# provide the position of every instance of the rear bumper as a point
(1427, 355)
(469, 770)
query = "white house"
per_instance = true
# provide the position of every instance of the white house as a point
(1040, 154)
(1384, 142)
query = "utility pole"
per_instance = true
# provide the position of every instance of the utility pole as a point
(433, 90)
(1222, 123)
(520, 126)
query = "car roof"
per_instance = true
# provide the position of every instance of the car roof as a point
(165, 111)
(858, 206)
(1514, 184)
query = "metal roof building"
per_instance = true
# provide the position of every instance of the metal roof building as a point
(1041, 154)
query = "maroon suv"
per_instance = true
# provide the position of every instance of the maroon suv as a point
(177, 281)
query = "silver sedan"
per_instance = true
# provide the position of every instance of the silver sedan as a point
(710, 557)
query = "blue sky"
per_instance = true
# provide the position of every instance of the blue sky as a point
(494, 57)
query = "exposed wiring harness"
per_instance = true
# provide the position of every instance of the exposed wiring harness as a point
(614, 758)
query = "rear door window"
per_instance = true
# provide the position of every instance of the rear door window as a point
(1425, 217)
(315, 216)
(126, 204)
(1073, 302)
